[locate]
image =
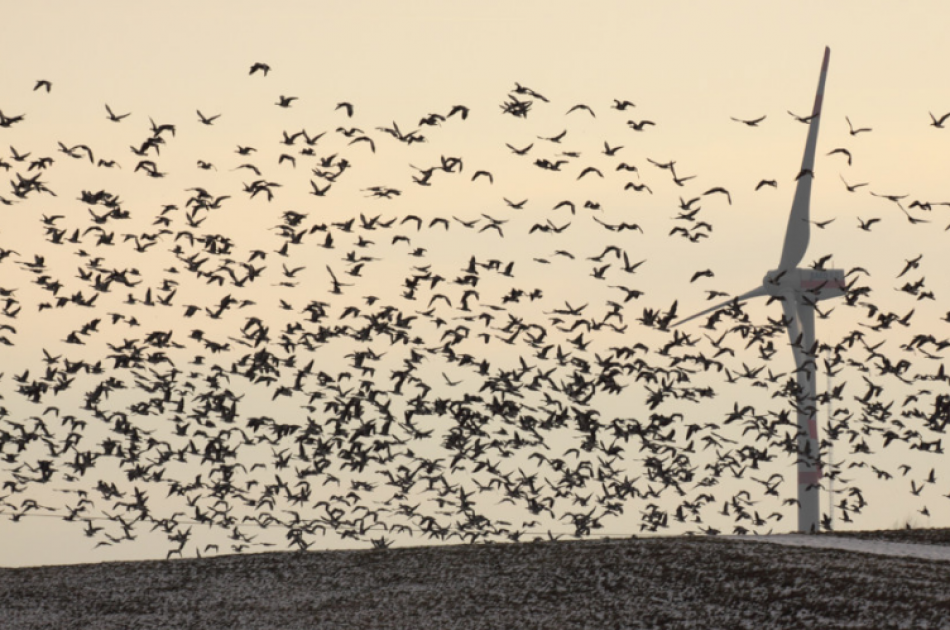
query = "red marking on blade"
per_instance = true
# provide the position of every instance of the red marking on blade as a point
(813, 428)
(809, 477)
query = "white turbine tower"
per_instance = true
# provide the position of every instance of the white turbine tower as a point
(799, 289)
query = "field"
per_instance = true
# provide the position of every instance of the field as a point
(632, 583)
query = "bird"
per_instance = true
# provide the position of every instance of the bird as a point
(610, 151)
(367, 139)
(637, 187)
(720, 189)
(556, 139)
(802, 119)
(938, 122)
(43, 83)
(259, 67)
(336, 283)
(319, 192)
(639, 125)
(207, 120)
(590, 169)
(18, 157)
(843, 152)
(581, 106)
(854, 131)
(461, 110)
(895, 198)
(285, 101)
(346, 107)
(850, 187)
(766, 182)
(913, 263)
(866, 225)
(751, 123)
(521, 89)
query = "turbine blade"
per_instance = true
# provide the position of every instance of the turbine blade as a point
(798, 230)
(757, 292)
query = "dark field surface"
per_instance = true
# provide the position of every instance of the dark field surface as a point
(912, 536)
(645, 583)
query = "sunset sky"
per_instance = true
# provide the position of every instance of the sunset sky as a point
(689, 68)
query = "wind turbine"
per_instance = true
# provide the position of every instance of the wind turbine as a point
(799, 289)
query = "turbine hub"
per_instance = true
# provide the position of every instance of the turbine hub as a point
(818, 284)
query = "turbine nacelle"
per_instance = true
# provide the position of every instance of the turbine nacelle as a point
(814, 284)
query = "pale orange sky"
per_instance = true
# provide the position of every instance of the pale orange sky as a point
(688, 68)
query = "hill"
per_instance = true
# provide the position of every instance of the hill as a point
(630, 583)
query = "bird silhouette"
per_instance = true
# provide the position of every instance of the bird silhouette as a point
(751, 123)
(938, 122)
(854, 131)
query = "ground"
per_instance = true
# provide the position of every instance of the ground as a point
(686, 582)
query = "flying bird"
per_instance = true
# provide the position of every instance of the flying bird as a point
(462, 110)
(938, 122)
(582, 107)
(610, 151)
(866, 225)
(590, 169)
(207, 120)
(751, 123)
(638, 126)
(637, 187)
(367, 139)
(913, 263)
(854, 131)
(850, 187)
(802, 119)
(721, 190)
(555, 139)
(346, 107)
(843, 152)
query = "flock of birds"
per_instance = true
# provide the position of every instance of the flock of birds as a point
(468, 406)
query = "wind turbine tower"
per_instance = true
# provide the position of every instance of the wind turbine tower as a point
(799, 290)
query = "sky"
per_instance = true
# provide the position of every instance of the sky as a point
(689, 70)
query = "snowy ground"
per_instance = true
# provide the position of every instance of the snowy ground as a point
(863, 545)
(645, 583)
